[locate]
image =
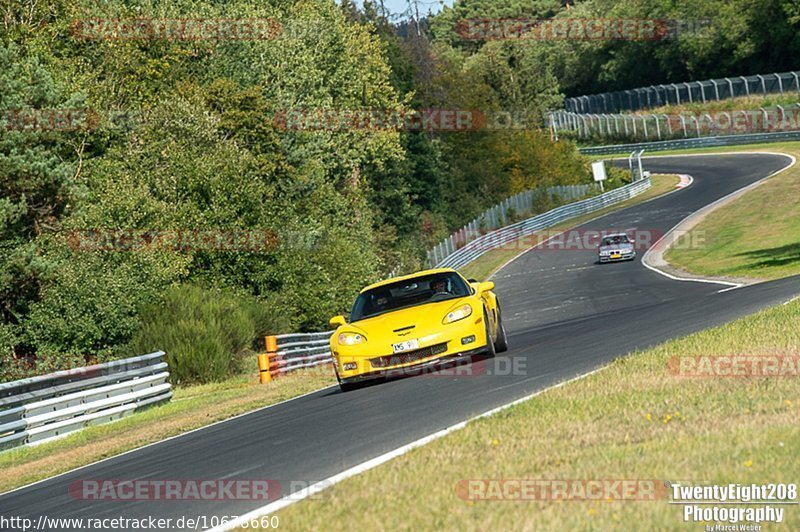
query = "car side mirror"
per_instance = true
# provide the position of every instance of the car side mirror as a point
(472, 280)
(485, 287)
(337, 321)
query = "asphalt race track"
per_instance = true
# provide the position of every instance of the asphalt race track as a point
(564, 313)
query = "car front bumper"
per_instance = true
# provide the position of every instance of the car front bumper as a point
(363, 362)
(630, 255)
(415, 368)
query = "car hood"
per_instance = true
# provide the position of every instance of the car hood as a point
(411, 322)
(618, 246)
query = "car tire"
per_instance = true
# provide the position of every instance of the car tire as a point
(344, 386)
(490, 349)
(501, 345)
(347, 386)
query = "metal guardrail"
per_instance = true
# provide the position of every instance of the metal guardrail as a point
(290, 352)
(499, 216)
(39, 408)
(686, 92)
(703, 142)
(513, 232)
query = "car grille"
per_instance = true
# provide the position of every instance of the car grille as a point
(406, 358)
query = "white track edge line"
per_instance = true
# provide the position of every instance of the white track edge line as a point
(710, 208)
(260, 408)
(381, 459)
(729, 284)
(792, 300)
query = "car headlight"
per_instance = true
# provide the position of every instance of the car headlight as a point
(350, 338)
(457, 314)
(605, 252)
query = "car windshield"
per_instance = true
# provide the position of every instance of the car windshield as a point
(615, 240)
(408, 293)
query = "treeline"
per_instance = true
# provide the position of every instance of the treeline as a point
(694, 40)
(154, 140)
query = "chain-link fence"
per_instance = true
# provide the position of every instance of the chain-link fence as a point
(686, 92)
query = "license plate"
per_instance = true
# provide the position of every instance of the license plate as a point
(616, 256)
(408, 345)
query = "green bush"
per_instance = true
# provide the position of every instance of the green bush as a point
(10, 368)
(616, 177)
(15, 365)
(204, 332)
(268, 318)
(90, 306)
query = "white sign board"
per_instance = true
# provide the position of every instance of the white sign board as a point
(599, 171)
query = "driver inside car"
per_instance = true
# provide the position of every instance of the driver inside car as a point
(439, 286)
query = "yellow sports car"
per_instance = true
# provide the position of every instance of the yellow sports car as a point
(415, 320)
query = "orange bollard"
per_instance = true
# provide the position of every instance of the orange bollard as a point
(263, 368)
(271, 343)
(265, 360)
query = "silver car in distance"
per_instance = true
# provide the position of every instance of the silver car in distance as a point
(616, 247)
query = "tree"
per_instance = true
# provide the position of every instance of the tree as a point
(37, 171)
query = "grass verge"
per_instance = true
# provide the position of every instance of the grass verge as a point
(485, 265)
(756, 236)
(191, 407)
(634, 420)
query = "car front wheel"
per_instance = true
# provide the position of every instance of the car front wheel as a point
(347, 386)
(501, 345)
(490, 344)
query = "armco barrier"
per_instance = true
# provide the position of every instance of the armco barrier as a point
(289, 352)
(498, 216)
(510, 233)
(703, 142)
(39, 408)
